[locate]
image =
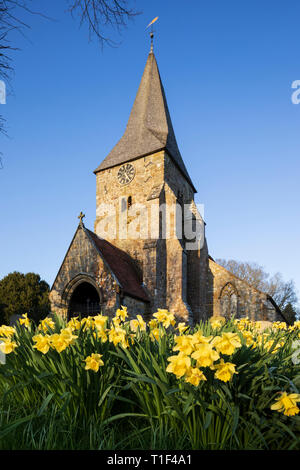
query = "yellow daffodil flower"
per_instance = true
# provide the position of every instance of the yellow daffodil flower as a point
(179, 364)
(74, 324)
(165, 317)
(58, 343)
(184, 344)
(122, 313)
(7, 331)
(67, 335)
(217, 321)
(227, 343)
(138, 323)
(24, 320)
(93, 362)
(248, 337)
(194, 376)
(118, 336)
(287, 404)
(46, 324)
(155, 334)
(182, 327)
(42, 343)
(7, 346)
(205, 355)
(100, 321)
(101, 334)
(225, 370)
(87, 323)
(153, 323)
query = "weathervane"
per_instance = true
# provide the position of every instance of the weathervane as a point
(81, 216)
(152, 32)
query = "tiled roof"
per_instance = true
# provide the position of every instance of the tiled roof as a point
(149, 128)
(121, 265)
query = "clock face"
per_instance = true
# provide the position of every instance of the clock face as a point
(126, 174)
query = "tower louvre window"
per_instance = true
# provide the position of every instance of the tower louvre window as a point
(129, 202)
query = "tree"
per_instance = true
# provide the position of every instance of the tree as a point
(290, 313)
(24, 293)
(100, 14)
(284, 293)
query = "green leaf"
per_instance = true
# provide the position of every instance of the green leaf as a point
(208, 419)
(45, 404)
(11, 427)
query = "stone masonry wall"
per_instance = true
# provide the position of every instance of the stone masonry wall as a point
(250, 302)
(164, 264)
(82, 261)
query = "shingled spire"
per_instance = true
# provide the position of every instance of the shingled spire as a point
(149, 128)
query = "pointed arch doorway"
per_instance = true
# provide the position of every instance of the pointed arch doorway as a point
(84, 301)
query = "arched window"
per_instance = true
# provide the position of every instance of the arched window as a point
(229, 301)
(129, 202)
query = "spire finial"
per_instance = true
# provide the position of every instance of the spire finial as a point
(81, 216)
(152, 33)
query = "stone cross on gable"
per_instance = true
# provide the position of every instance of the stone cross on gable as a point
(81, 216)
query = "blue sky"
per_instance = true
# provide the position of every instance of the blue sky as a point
(227, 69)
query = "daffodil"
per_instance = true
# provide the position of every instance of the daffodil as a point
(287, 404)
(61, 341)
(184, 344)
(279, 325)
(270, 344)
(46, 324)
(138, 323)
(42, 343)
(225, 370)
(248, 337)
(7, 331)
(101, 334)
(67, 335)
(179, 364)
(199, 338)
(87, 323)
(164, 317)
(155, 334)
(217, 321)
(74, 323)
(93, 362)
(100, 321)
(205, 355)
(117, 335)
(24, 320)
(122, 313)
(181, 327)
(58, 343)
(7, 346)
(194, 376)
(227, 343)
(153, 323)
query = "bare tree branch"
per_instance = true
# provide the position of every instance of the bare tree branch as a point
(282, 292)
(100, 14)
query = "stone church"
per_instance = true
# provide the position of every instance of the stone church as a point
(130, 258)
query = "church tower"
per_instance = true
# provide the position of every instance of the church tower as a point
(142, 185)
